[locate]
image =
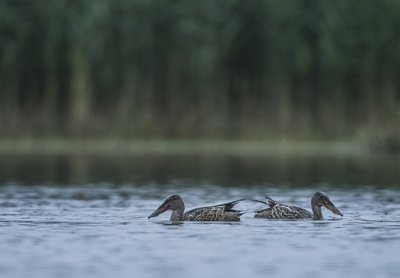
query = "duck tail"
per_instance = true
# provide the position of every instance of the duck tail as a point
(229, 206)
(258, 201)
(240, 212)
(270, 203)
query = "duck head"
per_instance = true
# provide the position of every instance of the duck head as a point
(174, 203)
(319, 200)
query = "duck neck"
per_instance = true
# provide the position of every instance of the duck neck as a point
(177, 214)
(317, 213)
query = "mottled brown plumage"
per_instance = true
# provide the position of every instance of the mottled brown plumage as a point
(222, 212)
(281, 211)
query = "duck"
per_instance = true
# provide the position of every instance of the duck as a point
(222, 212)
(278, 210)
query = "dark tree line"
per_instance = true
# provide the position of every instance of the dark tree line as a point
(199, 68)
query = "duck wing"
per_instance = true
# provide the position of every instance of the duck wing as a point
(222, 212)
(278, 210)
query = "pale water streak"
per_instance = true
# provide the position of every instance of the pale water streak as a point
(102, 230)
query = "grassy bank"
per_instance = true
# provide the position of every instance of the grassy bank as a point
(61, 146)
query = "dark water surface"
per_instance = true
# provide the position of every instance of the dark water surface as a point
(87, 216)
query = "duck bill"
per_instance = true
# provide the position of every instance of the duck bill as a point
(159, 210)
(333, 209)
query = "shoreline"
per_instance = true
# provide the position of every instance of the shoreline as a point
(67, 146)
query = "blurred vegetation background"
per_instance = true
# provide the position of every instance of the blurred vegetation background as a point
(189, 69)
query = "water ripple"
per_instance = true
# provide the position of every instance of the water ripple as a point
(75, 231)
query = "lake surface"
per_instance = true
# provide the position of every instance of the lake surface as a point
(75, 216)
